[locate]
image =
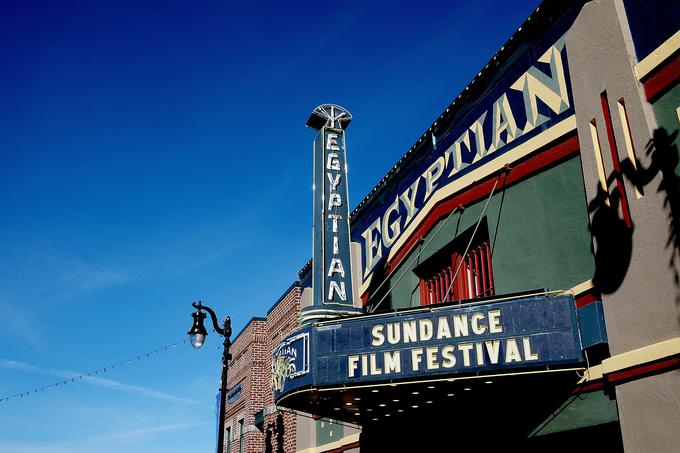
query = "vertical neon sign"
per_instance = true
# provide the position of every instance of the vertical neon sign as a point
(332, 267)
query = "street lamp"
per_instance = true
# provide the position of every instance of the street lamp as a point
(197, 335)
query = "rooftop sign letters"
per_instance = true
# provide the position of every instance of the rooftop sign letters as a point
(531, 97)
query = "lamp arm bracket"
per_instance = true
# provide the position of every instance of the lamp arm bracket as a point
(199, 306)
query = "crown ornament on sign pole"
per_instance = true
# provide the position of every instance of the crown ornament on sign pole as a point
(331, 115)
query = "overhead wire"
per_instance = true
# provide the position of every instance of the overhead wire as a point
(106, 369)
(472, 238)
(415, 260)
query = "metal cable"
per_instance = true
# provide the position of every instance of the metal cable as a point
(80, 377)
(486, 205)
(415, 260)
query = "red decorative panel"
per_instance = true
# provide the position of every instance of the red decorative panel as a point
(473, 280)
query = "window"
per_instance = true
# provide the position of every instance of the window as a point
(474, 277)
(240, 436)
(228, 438)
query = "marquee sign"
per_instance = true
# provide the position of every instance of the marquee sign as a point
(532, 97)
(444, 341)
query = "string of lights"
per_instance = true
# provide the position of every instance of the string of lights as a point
(93, 373)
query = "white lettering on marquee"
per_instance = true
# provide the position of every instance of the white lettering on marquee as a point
(378, 337)
(466, 354)
(392, 362)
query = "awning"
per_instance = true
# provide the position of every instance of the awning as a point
(580, 411)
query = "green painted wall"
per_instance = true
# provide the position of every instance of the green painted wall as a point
(666, 113)
(328, 431)
(539, 236)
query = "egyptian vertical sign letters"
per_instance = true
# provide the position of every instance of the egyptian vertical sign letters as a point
(332, 274)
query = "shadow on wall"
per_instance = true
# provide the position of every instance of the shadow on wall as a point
(268, 448)
(278, 429)
(614, 239)
(613, 236)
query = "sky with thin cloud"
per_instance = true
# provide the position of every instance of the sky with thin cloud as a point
(153, 153)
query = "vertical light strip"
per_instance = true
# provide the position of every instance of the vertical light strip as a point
(598, 159)
(628, 141)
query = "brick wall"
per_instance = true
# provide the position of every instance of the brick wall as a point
(251, 368)
(282, 320)
(249, 362)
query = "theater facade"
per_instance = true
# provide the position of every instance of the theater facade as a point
(512, 283)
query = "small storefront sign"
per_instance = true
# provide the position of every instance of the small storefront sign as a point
(234, 394)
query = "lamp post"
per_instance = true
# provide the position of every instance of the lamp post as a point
(197, 335)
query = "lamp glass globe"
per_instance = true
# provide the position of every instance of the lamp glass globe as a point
(197, 340)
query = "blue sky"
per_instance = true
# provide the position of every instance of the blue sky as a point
(153, 153)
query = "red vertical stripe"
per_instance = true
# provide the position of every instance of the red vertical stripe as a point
(475, 276)
(485, 277)
(440, 288)
(453, 286)
(638, 186)
(615, 159)
(444, 287)
(490, 268)
(466, 278)
(423, 292)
